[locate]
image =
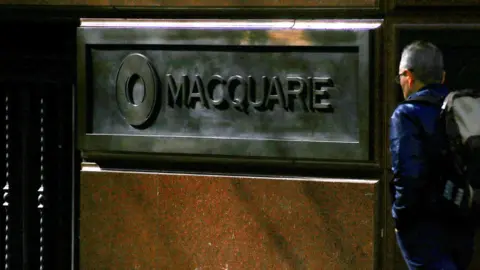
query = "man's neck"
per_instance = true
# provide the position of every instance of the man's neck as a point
(416, 87)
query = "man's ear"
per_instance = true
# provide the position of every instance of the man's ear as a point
(410, 77)
(443, 77)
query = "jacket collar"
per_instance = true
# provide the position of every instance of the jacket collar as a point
(431, 90)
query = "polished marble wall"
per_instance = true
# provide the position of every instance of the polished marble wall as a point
(183, 221)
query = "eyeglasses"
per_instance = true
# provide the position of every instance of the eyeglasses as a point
(397, 78)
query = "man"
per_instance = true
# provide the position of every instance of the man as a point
(426, 237)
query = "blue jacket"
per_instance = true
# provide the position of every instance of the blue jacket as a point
(415, 149)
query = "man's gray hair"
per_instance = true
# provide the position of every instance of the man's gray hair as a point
(424, 60)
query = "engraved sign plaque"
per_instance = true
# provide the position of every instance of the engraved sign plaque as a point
(283, 93)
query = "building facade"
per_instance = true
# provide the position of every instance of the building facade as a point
(209, 134)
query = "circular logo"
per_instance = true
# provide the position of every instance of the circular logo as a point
(136, 90)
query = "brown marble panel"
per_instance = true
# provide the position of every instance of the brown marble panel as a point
(200, 3)
(171, 221)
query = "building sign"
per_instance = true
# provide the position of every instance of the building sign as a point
(281, 93)
(139, 92)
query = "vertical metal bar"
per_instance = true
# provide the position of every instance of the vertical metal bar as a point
(12, 202)
(6, 188)
(41, 196)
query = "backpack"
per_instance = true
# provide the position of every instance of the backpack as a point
(459, 121)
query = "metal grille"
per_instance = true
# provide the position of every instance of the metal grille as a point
(37, 189)
(36, 124)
